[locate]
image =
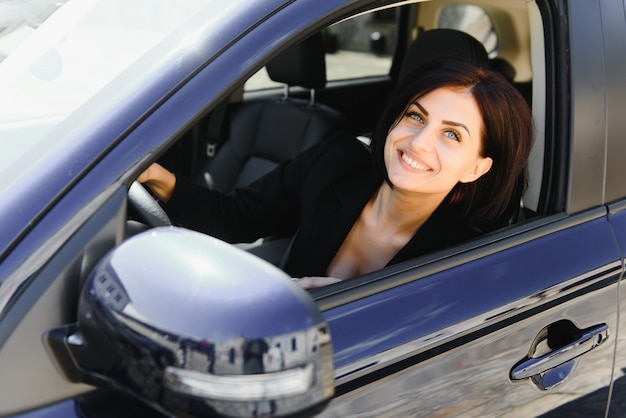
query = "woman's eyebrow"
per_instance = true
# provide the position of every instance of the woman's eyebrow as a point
(447, 122)
(460, 125)
(424, 111)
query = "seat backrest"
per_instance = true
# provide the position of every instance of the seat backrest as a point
(266, 132)
(442, 43)
(436, 44)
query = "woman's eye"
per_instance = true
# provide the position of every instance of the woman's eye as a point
(416, 116)
(453, 135)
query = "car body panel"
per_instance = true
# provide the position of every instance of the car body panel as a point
(587, 167)
(46, 300)
(614, 40)
(617, 407)
(483, 316)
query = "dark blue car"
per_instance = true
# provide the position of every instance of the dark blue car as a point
(108, 310)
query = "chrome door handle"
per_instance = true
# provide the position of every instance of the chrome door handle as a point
(590, 339)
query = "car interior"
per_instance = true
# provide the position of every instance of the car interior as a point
(257, 135)
(337, 79)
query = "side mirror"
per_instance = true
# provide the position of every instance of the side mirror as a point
(195, 326)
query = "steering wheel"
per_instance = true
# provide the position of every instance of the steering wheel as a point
(147, 209)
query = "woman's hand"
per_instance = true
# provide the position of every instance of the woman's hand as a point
(311, 282)
(159, 180)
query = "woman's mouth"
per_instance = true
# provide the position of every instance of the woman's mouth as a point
(414, 164)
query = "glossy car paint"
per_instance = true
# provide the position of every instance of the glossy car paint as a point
(617, 407)
(483, 317)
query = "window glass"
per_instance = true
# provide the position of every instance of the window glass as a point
(359, 47)
(55, 56)
(18, 19)
(473, 20)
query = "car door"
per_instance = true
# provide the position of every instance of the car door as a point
(459, 335)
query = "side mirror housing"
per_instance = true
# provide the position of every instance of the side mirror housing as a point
(195, 326)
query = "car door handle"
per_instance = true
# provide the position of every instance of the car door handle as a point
(589, 339)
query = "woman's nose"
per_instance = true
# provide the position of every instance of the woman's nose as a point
(423, 140)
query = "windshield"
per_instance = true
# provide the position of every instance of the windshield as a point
(19, 18)
(55, 55)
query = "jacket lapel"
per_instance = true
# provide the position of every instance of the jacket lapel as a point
(443, 229)
(338, 210)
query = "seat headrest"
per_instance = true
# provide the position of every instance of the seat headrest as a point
(443, 43)
(503, 67)
(302, 65)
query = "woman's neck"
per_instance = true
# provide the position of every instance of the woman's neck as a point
(404, 213)
(387, 222)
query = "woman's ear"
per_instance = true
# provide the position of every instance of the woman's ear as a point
(483, 164)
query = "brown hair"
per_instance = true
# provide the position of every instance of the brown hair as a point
(490, 201)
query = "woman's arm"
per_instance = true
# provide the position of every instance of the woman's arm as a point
(159, 180)
(312, 282)
(244, 215)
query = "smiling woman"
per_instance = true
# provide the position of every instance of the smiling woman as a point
(433, 146)
(494, 147)
(446, 129)
(436, 144)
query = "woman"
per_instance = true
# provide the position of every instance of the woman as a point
(447, 163)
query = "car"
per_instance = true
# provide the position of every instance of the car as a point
(106, 309)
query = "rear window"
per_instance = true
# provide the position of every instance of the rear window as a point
(356, 48)
(473, 20)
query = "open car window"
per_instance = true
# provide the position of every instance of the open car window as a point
(360, 54)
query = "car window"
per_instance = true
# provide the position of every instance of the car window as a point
(361, 47)
(355, 48)
(51, 69)
(20, 19)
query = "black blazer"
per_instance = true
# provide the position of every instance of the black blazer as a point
(320, 194)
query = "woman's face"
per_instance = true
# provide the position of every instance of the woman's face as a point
(436, 144)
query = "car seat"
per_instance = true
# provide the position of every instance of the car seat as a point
(436, 44)
(442, 43)
(266, 132)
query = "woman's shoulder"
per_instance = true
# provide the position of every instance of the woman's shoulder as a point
(323, 166)
(344, 150)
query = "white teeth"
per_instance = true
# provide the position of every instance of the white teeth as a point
(414, 163)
